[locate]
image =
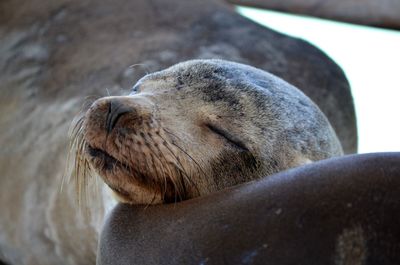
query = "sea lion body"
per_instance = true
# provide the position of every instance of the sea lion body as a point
(338, 211)
(201, 126)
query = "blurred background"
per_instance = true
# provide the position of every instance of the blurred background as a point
(370, 58)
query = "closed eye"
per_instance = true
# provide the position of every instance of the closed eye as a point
(230, 138)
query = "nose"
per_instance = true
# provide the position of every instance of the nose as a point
(116, 110)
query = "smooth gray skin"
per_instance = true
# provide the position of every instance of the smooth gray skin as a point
(337, 211)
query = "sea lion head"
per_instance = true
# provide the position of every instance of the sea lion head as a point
(197, 127)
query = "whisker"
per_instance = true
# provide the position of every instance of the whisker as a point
(182, 167)
(186, 153)
(177, 186)
(165, 168)
(78, 168)
(158, 176)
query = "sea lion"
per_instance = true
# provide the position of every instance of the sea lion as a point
(338, 211)
(198, 127)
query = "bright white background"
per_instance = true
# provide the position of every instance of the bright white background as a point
(370, 58)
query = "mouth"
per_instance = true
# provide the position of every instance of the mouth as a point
(108, 162)
(116, 174)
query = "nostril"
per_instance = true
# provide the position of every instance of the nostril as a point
(115, 111)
